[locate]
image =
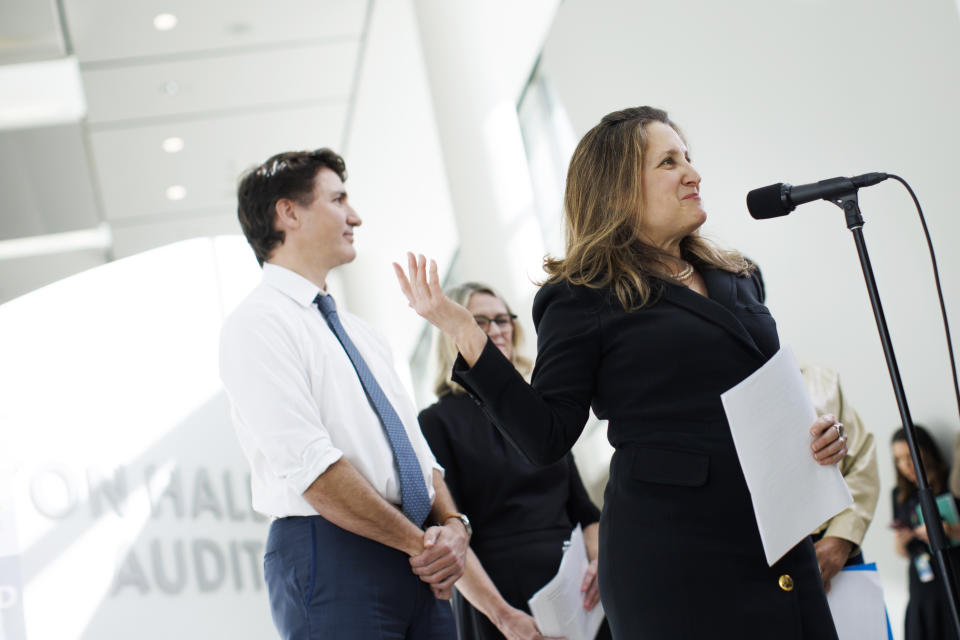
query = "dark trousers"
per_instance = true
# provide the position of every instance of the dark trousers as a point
(325, 582)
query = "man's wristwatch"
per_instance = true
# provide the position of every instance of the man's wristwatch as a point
(462, 518)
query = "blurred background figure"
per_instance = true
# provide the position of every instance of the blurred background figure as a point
(955, 468)
(928, 614)
(521, 514)
(837, 541)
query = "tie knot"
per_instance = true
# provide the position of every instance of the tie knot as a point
(326, 304)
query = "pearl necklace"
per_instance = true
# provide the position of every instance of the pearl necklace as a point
(685, 273)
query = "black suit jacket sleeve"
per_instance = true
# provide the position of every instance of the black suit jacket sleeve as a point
(545, 418)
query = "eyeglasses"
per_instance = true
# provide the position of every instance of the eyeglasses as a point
(502, 320)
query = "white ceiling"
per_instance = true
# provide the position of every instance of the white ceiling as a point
(31, 31)
(236, 81)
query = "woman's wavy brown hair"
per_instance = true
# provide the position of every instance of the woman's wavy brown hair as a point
(934, 464)
(447, 348)
(603, 208)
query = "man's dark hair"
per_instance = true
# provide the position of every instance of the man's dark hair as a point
(286, 175)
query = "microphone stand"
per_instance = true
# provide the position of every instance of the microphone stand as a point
(928, 506)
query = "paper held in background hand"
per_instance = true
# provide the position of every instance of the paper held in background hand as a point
(770, 415)
(856, 603)
(558, 606)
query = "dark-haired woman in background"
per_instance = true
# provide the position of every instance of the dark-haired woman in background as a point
(521, 514)
(649, 323)
(928, 614)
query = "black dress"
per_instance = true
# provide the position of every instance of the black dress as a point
(521, 514)
(928, 614)
(680, 552)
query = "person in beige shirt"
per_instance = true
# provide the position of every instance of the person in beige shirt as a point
(837, 541)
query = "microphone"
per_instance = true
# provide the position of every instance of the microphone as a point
(782, 198)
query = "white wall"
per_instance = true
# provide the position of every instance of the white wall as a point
(799, 91)
(397, 179)
(400, 166)
(124, 496)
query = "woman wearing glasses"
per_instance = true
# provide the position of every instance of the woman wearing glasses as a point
(521, 514)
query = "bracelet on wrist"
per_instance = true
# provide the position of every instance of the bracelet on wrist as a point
(464, 520)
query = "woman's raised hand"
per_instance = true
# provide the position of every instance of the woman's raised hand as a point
(425, 296)
(422, 288)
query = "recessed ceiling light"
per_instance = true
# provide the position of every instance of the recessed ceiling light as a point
(176, 192)
(172, 144)
(164, 21)
(170, 88)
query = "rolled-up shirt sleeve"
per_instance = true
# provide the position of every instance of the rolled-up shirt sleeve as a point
(264, 371)
(859, 467)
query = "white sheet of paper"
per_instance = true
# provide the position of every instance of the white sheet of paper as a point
(770, 415)
(856, 602)
(558, 605)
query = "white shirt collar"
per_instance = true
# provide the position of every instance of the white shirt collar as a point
(291, 283)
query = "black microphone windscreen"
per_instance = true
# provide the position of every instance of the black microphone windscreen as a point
(766, 202)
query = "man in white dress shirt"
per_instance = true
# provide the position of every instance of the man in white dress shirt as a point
(346, 556)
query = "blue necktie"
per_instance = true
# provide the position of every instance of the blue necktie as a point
(413, 490)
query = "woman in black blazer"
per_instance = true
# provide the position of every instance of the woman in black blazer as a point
(649, 323)
(521, 513)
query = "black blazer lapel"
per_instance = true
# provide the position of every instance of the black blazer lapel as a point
(718, 308)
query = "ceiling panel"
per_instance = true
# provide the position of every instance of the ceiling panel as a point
(106, 30)
(45, 184)
(29, 31)
(134, 171)
(276, 78)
